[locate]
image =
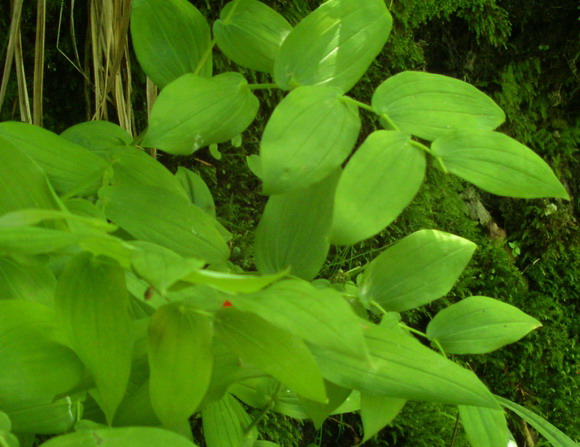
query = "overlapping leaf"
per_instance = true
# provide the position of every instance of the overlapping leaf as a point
(93, 307)
(310, 133)
(98, 136)
(293, 230)
(196, 189)
(484, 427)
(180, 361)
(44, 416)
(416, 270)
(334, 45)
(171, 38)
(498, 164)
(377, 412)
(26, 282)
(378, 182)
(225, 423)
(479, 324)
(430, 105)
(250, 33)
(193, 112)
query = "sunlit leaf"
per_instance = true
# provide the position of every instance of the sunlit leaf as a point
(293, 230)
(196, 189)
(98, 136)
(317, 411)
(156, 215)
(274, 350)
(334, 45)
(484, 427)
(431, 105)
(250, 33)
(67, 165)
(26, 282)
(33, 240)
(225, 423)
(180, 358)
(309, 135)
(43, 416)
(416, 270)
(233, 282)
(498, 164)
(478, 324)
(93, 307)
(378, 182)
(170, 38)
(193, 112)
(120, 437)
(377, 412)
(551, 433)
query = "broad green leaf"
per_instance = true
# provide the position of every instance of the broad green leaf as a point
(196, 189)
(33, 364)
(98, 136)
(170, 38)
(431, 105)
(378, 182)
(274, 350)
(120, 437)
(293, 230)
(5, 424)
(309, 135)
(33, 240)
(484, 427)
(132, 166)
(33, 216)
(180, 360)
(28, 189)
(479, 324)
(160, 266)
(67, 165)
(26, 282)
(416, 270)
(233, 282)
(334, 45)
(44, 417)
(250, 33)
(298, 307)
(156, 215)
(318, 412)
(225, 423)
(262, 443)
(551, 433)
(11, 440)
(93, 306)
(193, 112)
(498, 164)
(377, 412)
(401, 367)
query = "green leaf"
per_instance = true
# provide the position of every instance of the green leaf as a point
(44, 417)
(5, 424)
(170, 38)
(33, 364)
(33, 241)
(250, 33)
(319, 412)
(479, 324)
(416, 270)
(28, 189)
(298, 307)
(377, 412)
(484, 427)
(401, 367)
(26, 282)
(431, 105)
(98, 136)
(294, 228)
(120, 437)
(378, 182)
(196, 189)
(194, 111)
(34, 216)
(309, 135)
(132, 166)
(551, 433)
(272, 349)
(180, 360)
(93, 307)
(67, 165)
(233, 282)
(498, 164)
(225, 423)
(155, 215)
(334, 45)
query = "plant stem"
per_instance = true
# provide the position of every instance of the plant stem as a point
(359, 104)
(265, 410)
(262, 86)
(421, 146)
(390, 124)
(205, 55)
(413, 330)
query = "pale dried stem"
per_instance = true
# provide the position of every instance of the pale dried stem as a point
(12, 38)
(23, 100)
(39, 63)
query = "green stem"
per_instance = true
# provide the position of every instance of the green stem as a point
(359, 104)
(262, 86)
(378, 306)
(421, 147)
(413, 331)
(388, 121)
(269, 406)
(441, 165)
(206, 54)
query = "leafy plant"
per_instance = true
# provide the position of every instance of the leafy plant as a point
(136, 320)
